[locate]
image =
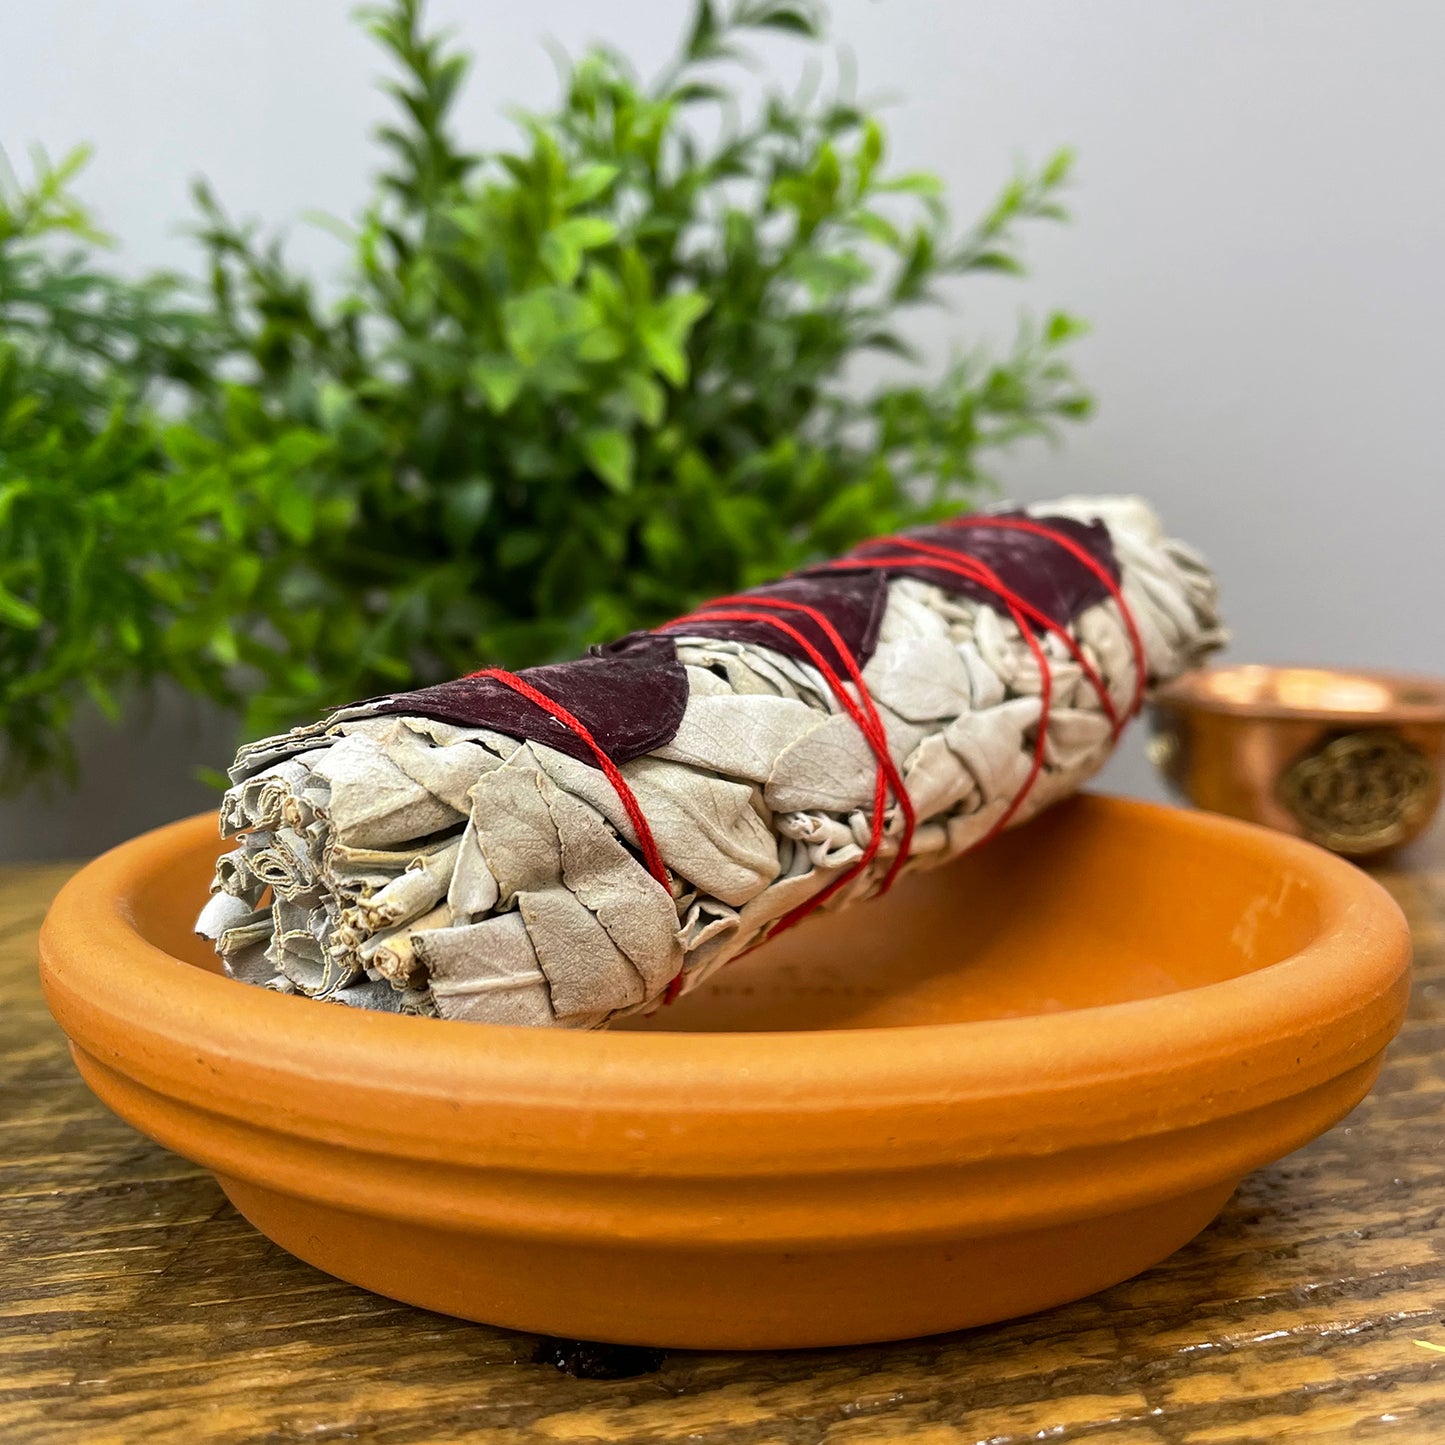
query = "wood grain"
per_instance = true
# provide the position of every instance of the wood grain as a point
(136, 1305)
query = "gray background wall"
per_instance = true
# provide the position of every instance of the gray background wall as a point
(1259, 238)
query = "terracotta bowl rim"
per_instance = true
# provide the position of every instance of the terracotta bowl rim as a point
(1198, 691)
(1149, 1065)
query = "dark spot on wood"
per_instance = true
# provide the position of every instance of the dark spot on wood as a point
(589, 1360)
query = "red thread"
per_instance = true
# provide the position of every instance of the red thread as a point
(875, 740)
(1020, 610)
(863, 711)
(1087, 559)
(610, 771)
(990, 579)
(977, 571)
(878, 740)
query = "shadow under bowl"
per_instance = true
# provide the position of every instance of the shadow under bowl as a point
(1015, 1080)
(1351, 760)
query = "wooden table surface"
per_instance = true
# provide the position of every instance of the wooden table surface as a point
(136, 1305)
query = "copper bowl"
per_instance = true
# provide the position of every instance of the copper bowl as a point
(1350, 760)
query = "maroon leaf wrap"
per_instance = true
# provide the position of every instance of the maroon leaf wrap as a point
(1040, 571)
(631, 694)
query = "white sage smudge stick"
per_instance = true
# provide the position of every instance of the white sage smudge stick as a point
(457, 851)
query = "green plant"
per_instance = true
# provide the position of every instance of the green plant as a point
(569, 389)
(91, 523)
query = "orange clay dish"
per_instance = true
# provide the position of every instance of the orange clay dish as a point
(974, 1098)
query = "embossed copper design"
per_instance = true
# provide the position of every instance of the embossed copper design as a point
(1361, 792)
(1351, 759)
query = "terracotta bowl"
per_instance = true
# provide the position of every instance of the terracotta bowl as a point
(1353, 761)
(1012, 1082)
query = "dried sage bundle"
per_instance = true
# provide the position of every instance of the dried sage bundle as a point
(585, 839)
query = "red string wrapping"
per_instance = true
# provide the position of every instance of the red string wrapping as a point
(877, 739)
(887, 771)
(977, 571)
(610, 770)
(862, 710)
(1086, 559)
(1021, 611)
(990, 579)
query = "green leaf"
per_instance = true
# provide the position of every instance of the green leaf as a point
(795, 20)
(500, 379)
(562, 259)
(1057, 169)
(222, 644)
(335, 405)
(1061, 328)
(295, 510)
(702, 39)
(665, 331)
(517, 548)
(465, 507)
(299, 448)
(600, 344)
(663, 539)
(915, 183)
(878, 228)
(586, 232)
(531, 325)
(610, 454)
(666, 355)
(563, 246)
(128, 634)
(678, 313)
(829, 275)
(648, 399)
(242, 574)
(589, 183)
(17, 612)
(103, 698)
